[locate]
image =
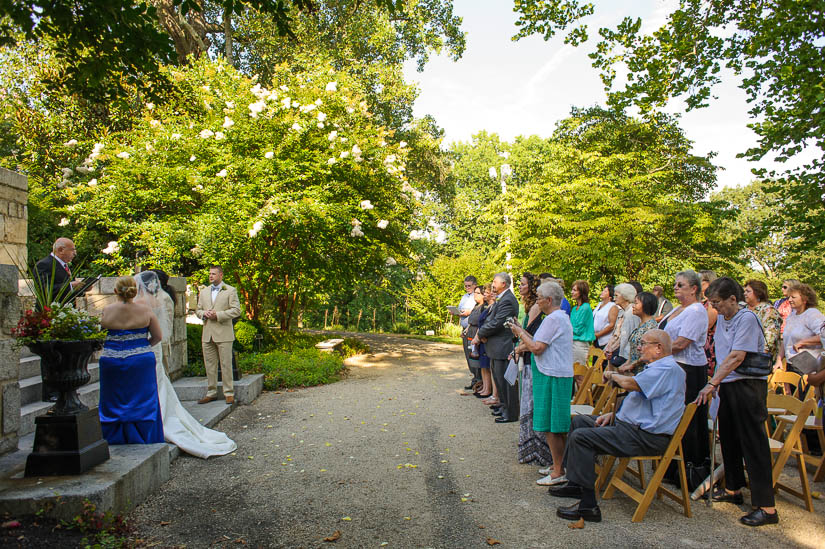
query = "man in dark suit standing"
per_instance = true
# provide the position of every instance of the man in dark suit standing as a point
(56, 264)
(499, 345)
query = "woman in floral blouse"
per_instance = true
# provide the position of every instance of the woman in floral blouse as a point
(644, 307)
(756, 297)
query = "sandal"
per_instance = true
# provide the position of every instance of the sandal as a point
(491, 402)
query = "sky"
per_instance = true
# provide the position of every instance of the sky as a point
(525, 87)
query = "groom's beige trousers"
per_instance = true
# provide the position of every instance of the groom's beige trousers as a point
(215, 353)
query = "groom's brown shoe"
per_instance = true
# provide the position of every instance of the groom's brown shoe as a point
(206, 399)
(230, 399)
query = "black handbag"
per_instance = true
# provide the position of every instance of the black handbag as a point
(756, 364)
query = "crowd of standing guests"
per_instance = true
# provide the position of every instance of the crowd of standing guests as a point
(664, 354)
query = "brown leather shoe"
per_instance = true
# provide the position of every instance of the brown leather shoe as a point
(230, 399)
(206, 399)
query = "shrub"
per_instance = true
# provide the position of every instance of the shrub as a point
(296, 368)
(353, 346)
(401, 328)
(451, 330)
(245, 333)
(194, 333)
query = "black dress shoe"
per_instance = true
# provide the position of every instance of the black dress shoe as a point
(504, 419)
(758, 517)
(566, 491)
(479, 395)
(574, 512)
(470, 386)
(497, 412)
(723, 496)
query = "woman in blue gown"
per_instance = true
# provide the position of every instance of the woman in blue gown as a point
(129, 406)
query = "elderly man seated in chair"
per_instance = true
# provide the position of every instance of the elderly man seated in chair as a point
(643, 425)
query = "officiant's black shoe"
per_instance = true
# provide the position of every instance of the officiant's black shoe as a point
(504, 419)
(723, 496)
(758, 517)
(470, 386)
(496, 412)
(566, 491)
(574, 512)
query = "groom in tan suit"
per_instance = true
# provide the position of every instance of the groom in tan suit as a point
(217, 305)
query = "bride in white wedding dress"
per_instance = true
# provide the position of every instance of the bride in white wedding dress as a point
(179, 427)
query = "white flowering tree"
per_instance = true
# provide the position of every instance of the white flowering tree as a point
(293, 189)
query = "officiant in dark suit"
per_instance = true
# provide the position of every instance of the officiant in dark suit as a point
(57, 264)
(499, 345)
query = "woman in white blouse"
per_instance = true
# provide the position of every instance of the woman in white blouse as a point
(687, 326)
(604, 317)
(803, 326)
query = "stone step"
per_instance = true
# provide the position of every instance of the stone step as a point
(31, 387)
(247, 389)
(29, 367)
(89, 395)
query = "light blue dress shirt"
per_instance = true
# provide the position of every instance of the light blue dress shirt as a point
(467, 303)
(659, 406)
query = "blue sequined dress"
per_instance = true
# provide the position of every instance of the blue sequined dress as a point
(129, 406)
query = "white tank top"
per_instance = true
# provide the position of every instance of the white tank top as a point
(600, 320)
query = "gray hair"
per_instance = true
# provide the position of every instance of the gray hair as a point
(505, 277)
(627, 291)
(551, 291)
(693, 279)
(61, 243)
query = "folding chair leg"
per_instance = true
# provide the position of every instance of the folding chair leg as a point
(803, 479)
(620, 469)
(685, 494)
(604, 471)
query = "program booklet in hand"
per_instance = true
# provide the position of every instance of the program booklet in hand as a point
(453, 310)
(805, 362)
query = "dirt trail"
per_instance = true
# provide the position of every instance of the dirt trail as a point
(395, 454)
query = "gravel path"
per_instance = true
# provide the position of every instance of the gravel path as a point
(395, 456)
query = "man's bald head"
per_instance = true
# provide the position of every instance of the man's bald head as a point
(656, 344)
(64, 249)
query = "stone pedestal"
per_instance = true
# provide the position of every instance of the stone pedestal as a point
(67, 444)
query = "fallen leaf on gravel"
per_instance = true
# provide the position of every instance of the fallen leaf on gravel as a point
(384, 544)
(407, 518)
(481, 526)
(334, 537)
(323, 470)
(578, 525)
(816, 495)
(440, 476)
(165, 523)
(464, 394)
(452, 435)
(493, 541)
(10, 524)
(346, 518)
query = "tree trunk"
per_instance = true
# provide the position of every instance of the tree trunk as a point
(227, 36)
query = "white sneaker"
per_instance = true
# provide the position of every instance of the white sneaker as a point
(545, 471)
(550, 481)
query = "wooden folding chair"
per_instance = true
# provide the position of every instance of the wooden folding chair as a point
(783, 381)
(604, 402)
(791, 445)
(596, 357)
(654, 487)
(810, 425)
(583, 392)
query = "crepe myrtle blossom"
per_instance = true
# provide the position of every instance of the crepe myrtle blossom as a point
(230, 104)
(124, 155)
(350, 110)
(221, 173)
(344, 154)
(390, 159)
(219, 136)
(356, 232)
(197, 187)
(390, 262)
(228, 122)
(297, 127)
(149, 148)
(417, 235)
(93, 183)
(150, 106)
(383, 224)
(332, 135)
(63, 222)
(366, 205)
(206, 134)
(192, 158)
(83, 169)
(506, 170)
(70, 143)
(356, 150)
(322, 116)
(355, 222)
(286, 102)
(111, 248)
(402, 145)
(67, 172)
(320, 125)
(331, 161)
(155, 123)
(284, 87)
(196, 251)
(256, 228)
(269, 155)
(256, 108)
(332, 86)
(319, 102)
(492, 172)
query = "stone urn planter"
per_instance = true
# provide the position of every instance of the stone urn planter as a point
(65, 367)
(68, 440)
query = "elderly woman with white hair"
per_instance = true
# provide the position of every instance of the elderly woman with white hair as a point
(617, 349)
(552, 370)
(687, 326)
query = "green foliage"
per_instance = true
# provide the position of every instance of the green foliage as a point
(352, 346)
(774, 48)
(245, 333)
(452, 330)
(443, 285)
(194, 346)
(108, 530)
(401, 328)
(297, 368)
